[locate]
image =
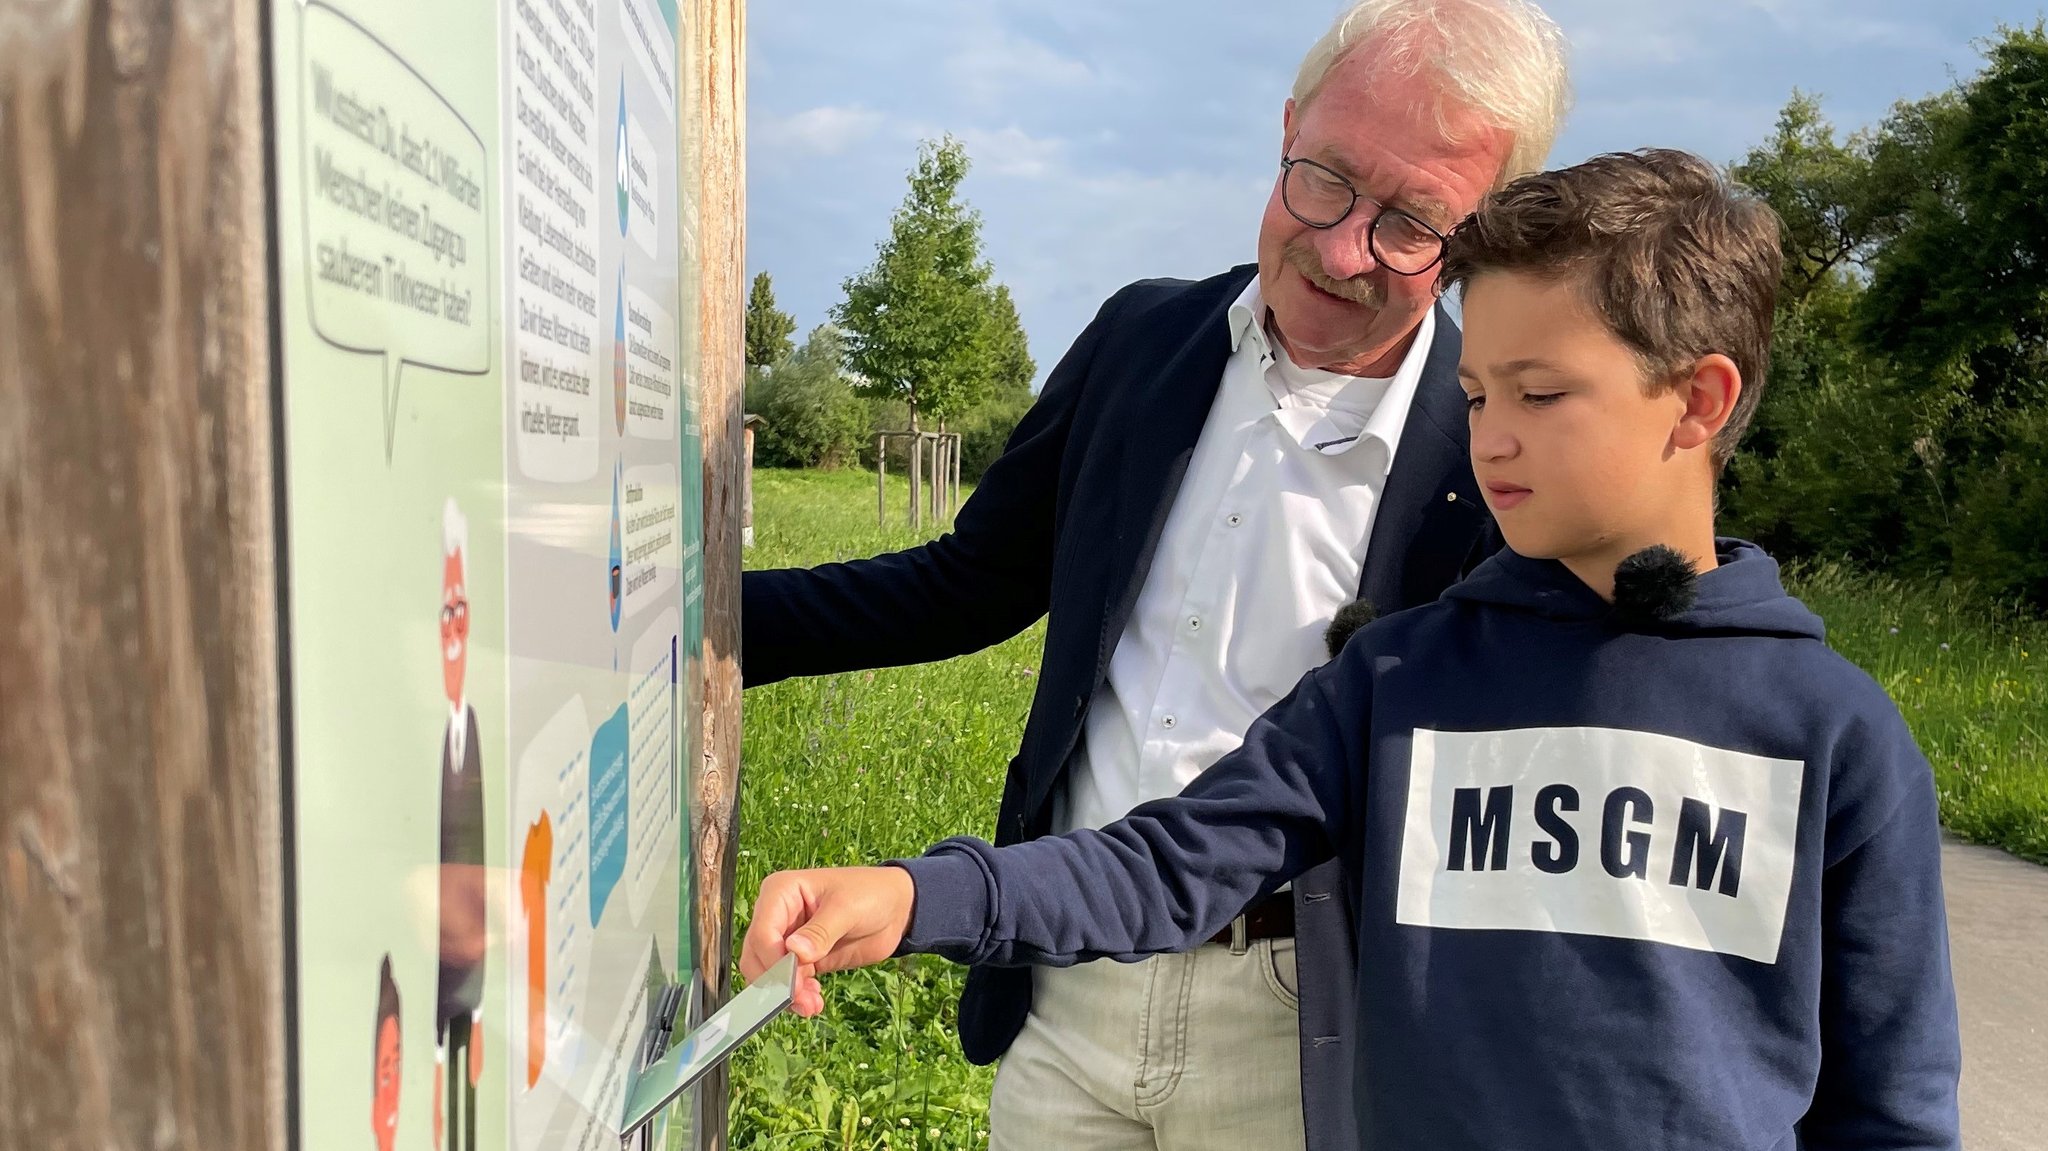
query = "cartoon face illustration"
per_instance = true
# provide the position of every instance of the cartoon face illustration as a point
(387, 1062)
(384, 1106)
(454, 602)
(454, 628)
(617, 589)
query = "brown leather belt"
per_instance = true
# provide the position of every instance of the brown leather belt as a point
(1269, 918)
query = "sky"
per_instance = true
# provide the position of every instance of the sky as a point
(1115, 140)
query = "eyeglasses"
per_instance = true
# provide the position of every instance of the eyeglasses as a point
(1320, 198)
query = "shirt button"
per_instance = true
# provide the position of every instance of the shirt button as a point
(1233, 519)
(1168, 722)
(1194, 623)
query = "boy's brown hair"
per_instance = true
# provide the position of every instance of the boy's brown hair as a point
(1677, 261)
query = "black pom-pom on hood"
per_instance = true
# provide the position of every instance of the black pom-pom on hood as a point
(1653, 585)
(1350, 618)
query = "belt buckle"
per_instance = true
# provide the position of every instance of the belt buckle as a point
(1240, 936)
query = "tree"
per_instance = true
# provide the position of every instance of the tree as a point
(1821, 189)
(1011, 365)
(810, 415)
(1969, 273)
(917, 321)
(768, 327)
(1908, 396)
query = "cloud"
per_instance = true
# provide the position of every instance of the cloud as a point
(1011, 151)
(1000, 65)
(823, 131)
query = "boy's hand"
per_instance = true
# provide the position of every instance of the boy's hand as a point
(831, 919)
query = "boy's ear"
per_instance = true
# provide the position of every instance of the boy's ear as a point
(1710, 391)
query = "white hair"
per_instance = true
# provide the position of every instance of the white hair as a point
(1502, 59)
(454, 530)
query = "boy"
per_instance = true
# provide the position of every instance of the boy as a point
(1638, 861)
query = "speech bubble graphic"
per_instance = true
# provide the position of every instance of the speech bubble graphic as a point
(611, 809)
(551, 775)
(653, 39)
(654, 553)
(554, 197)
(394, 228)
(642, 190)
(651, 364)
(656, 841)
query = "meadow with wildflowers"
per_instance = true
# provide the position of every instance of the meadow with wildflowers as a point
(867, 766)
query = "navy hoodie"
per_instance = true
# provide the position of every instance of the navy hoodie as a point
(1620, 885)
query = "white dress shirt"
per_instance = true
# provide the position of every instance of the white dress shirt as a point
(457, 730)
(1266, 540)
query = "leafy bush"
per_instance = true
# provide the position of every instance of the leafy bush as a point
(810, 416)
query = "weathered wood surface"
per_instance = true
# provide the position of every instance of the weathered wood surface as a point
(718, 28)
(141, 908)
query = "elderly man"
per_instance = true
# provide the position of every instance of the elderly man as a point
(1210, 474)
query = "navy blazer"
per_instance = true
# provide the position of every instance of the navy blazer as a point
(1066, 523)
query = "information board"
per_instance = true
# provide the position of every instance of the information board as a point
(493, 523)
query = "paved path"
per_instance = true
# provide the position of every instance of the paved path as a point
(1998, 936)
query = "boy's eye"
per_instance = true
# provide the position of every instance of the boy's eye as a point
(1540, 399)
(1475, 402)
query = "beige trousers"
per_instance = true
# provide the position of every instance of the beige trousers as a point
(1194, 1052)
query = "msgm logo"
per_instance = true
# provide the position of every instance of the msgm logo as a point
(1600, 831)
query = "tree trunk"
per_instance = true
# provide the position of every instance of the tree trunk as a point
(916, 470)
(716, 119)
(938, 464)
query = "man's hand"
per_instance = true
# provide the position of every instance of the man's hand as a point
(832, 919)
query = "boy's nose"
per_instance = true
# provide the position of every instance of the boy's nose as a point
(1491, 442)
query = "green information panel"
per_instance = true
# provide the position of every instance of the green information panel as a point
(493, 512)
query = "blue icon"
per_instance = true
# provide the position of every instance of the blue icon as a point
(623, 152)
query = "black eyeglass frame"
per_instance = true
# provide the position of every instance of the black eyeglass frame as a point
(1372, 231)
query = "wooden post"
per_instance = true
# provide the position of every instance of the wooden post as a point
(916, 473)
(957, 445)
(719, 27)
(142, 954)
(881, 480)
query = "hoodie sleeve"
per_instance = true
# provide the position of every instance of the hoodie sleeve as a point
(1890, 1048)
(1173, 872)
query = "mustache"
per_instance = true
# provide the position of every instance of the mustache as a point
(1358, 289)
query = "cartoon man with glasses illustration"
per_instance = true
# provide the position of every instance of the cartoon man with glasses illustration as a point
(458, 1015)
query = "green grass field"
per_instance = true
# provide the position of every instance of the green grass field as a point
(867, 766)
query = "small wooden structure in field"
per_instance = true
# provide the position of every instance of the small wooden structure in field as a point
(934, 475)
